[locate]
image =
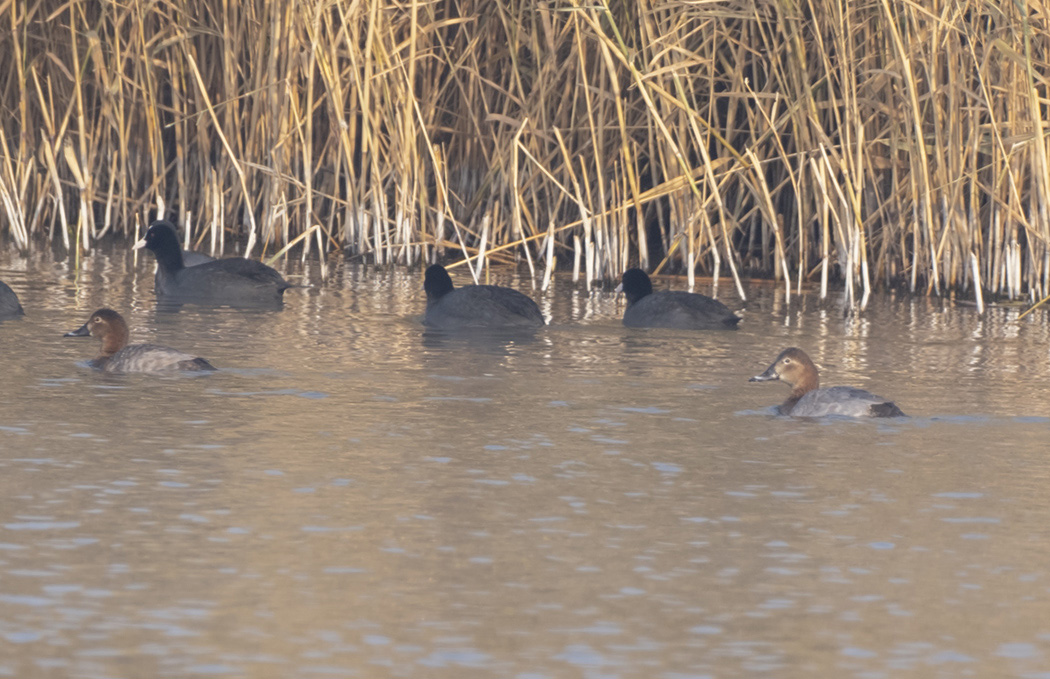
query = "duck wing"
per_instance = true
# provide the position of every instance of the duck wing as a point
(153, 358)
(846, 401)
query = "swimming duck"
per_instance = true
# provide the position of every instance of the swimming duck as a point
(485, 306)
(807, 399)
(9, 305)
(671, 308)
(117, 356)
(234, 281)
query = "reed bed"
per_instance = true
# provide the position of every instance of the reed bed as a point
(858, 144)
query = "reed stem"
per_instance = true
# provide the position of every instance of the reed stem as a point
(868, 144)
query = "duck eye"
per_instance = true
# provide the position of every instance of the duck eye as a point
(787, 360)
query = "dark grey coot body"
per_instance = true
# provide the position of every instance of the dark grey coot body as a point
(222, 282)
(476, 306)
(117, 356)
(189, 258)
(671, 308)
(9, 304)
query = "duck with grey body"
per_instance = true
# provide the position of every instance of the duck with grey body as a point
(117, 356)
(808, 399)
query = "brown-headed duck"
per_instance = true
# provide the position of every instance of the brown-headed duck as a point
(117, 356)
(807, 399)
(671, 308)
(476, 306)
(222, 282)
(9, 305)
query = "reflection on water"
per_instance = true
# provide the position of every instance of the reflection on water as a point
(352, 495)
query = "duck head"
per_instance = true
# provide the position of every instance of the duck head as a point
(107, 325)
(794, 368)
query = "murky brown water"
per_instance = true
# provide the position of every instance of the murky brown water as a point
(353, 497)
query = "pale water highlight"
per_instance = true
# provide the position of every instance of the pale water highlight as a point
(352, 495)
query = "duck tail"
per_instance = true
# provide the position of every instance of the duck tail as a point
(888, 409)
(199, 364)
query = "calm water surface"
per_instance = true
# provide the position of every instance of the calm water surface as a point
(351, 496)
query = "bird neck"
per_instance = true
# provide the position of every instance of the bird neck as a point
(806, 384)
(113, 342)
(170, 259)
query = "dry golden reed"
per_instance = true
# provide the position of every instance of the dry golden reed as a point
(880, 142)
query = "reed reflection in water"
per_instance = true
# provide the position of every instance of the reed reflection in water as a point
(353, 495)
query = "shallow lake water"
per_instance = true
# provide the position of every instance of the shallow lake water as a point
(351, 496)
